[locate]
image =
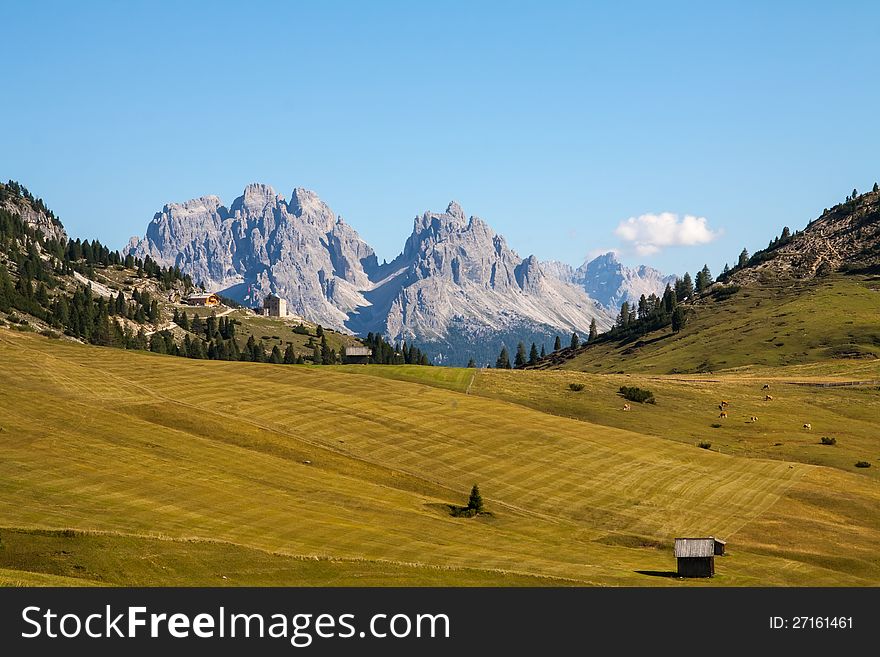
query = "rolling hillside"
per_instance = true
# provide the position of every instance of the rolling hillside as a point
(811, 296)
(152, 469)
(832, 319)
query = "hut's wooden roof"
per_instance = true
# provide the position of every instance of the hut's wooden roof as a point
(695, 547)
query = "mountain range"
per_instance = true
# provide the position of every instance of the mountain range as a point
(456, 289)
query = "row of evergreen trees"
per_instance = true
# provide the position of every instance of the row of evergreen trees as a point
(384, 353)
(523, 358)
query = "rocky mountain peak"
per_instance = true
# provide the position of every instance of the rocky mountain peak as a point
(454, 210)
(609, 281)
(16, 199)
(255, 199)
(847, 234)
(456, 278)
(307, 205)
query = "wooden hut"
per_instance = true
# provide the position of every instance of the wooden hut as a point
(696, 556)
(358, 355)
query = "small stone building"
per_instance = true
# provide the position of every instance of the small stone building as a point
(274, 306)
(696, 556)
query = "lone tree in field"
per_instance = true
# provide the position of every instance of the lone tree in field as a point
(475, 501)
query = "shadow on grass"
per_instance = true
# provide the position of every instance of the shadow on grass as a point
(658, 573)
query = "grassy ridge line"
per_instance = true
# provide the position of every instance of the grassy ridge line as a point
(770, 326)
(567, 547)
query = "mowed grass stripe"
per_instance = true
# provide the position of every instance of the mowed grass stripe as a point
(554, 484)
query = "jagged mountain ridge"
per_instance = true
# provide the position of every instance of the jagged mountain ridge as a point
(454, 270)
(609, 282)
(262, 244)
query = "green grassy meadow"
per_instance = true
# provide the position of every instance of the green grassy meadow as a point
(776, 325)
(124, 467)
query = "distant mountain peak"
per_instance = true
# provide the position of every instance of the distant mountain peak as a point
(609, 281)
(456, 282)
(454, 210)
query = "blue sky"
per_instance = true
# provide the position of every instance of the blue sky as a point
(555, 122)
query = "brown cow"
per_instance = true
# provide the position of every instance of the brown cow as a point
(766, 386)
(754, 418)
(808, 426)
(768, 397)
(723, 415)
(626, 407)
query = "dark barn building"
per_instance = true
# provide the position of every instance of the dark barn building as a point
(358, 355)
(696, 556)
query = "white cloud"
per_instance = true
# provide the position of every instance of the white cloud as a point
(649, 233)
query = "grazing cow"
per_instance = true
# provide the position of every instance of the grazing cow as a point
(768, 397)
(808, 426)
(724, 402)
(754, 418)
(626, 407)
(723, 415)
(766, 386)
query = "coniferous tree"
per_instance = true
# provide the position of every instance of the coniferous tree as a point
(198, 326)
(679, 319)
(594, 330)
(875, 188)
(575, 340)
(533, 354)
(520, 358)
(743, 258)
(557, 344)
(543, 352)
(623, 317)
(669, 299)
(704, 279)
(503, 361)
(475, 501)
(643, 307)
(289, 355)
(276, 357)
(316, 356)
(326, 357)
(684, 287)
(472, 363)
